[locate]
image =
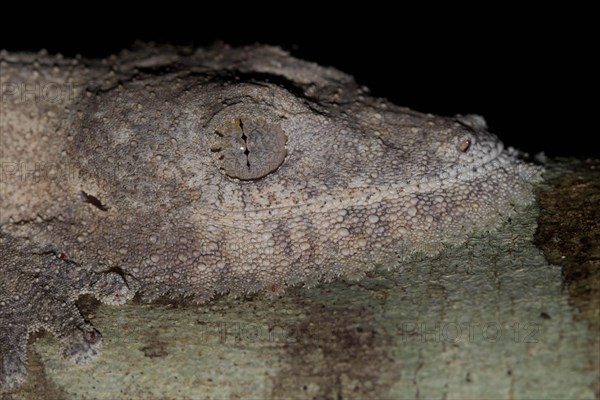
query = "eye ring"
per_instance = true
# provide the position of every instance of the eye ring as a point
(464, 145)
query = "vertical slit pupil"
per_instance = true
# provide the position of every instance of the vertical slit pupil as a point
(245, 139)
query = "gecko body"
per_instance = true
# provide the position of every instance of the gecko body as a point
(196, 173)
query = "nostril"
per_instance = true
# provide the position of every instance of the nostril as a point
(464, 145)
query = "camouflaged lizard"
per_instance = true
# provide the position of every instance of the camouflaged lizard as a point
(168, 171)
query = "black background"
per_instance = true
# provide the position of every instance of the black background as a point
(528, 72)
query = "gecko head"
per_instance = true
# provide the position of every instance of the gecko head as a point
(211, 174)
(241, 154)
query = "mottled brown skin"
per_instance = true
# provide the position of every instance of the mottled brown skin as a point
(167, 171)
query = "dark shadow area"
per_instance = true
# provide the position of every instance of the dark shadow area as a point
(523, 71)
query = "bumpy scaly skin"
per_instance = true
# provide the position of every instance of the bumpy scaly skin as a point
(121, 176)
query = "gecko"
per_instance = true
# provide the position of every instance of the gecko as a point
(175, 172)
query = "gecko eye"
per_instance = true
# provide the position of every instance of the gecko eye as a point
(464, 145)
(249, 149)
